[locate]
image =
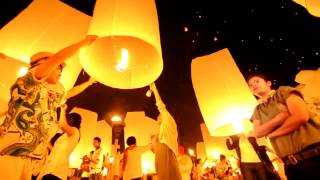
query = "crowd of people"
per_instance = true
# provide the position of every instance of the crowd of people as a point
(31, 121)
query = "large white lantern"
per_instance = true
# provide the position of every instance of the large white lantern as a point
(222, 93)
(312, 6)
(127, 53)
(45, 25)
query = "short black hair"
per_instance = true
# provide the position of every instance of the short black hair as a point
(257, 74)
(74, 120)
(222, 157)
(131, 140)
(97, 139)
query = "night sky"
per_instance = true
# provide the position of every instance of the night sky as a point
(276, 37)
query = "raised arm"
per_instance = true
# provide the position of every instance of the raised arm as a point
(161, 106)
(45, 68)
(80, 88)
(65, 127)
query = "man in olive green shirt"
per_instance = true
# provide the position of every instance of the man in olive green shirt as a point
(283, 117)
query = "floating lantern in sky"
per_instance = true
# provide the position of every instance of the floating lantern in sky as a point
(40, 28)
(127, 54)
(222, 93)
(312, 6)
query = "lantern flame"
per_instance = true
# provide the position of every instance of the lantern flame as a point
(123, 64)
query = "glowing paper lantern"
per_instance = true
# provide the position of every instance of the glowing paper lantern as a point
(222, 93)
(128, 53)
(10, 69)
(215, 145)
(309, 79)
(45, 25)
(201, 151)
(312, 6)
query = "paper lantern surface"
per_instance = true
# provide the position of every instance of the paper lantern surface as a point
(312, 6)
(128, 53)
(9, 72)
(201, 150)
(222, 92)
(309, 79)
(215, 145)
(45, 25)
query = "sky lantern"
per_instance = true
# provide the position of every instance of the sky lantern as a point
(312, 6)
(127, 54)
(45, 25)
(201, 151)
(225, 100)
(17, 69)
(215, 145)
(309, 83)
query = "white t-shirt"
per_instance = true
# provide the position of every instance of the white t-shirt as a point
(133, 167)
(99, 157)
(185, 165)
(168, 129)
(58, 160)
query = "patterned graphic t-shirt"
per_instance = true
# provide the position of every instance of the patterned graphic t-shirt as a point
(31, 118)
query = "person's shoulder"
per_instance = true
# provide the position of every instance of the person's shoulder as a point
(287, 90)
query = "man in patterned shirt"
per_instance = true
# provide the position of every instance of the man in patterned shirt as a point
(32, 112)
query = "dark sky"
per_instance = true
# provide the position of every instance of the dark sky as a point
(276, 37)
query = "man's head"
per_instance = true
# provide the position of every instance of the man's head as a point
(131, 141)
(222, 157)
(96, 142)
(259, 84)
(41, 57)
(74, 120)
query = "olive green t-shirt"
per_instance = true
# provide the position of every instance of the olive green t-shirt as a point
(296, 141)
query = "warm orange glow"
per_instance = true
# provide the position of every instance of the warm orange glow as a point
(123, 62)
(222, 93)
(142, 132)
(201, 151)
(312, 6)
(191, 152)
(116, 118)
(41, 28)
(23, 70)
(90, 128)
(307, 78)
(147, 162)
(10, 69)
(128, 53)
(215, 145)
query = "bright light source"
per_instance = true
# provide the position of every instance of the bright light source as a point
(148, 93)
(104, 171)
(23, 70)
(116, 119)
(123, 64)
(111, 159)
(191, 152)
(237, 126)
